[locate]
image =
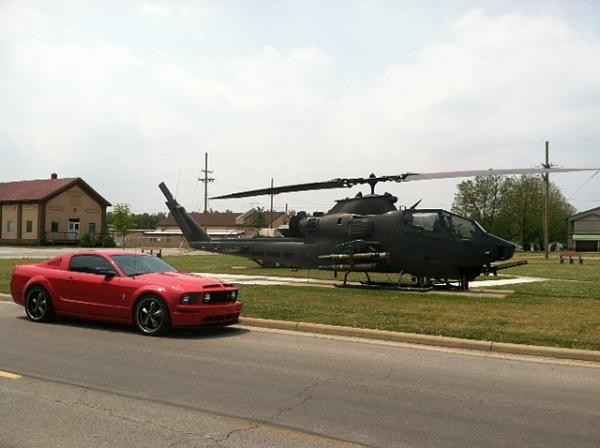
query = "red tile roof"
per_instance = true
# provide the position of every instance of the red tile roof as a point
(42, 189)
(225, 219)
(216, 219)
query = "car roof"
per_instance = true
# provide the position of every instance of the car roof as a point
(108, 253)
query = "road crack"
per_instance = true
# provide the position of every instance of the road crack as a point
(83, 401)
(303, 397)
(219, 442)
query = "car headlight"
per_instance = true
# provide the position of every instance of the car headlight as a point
(233, 295)
(189, 299)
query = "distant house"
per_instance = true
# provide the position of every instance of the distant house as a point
(50, 210)
(584, 231)
(218, 225)
(226, 224)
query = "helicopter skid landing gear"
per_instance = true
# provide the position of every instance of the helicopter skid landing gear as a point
(388, 286)
(464, 282)
(391, 286)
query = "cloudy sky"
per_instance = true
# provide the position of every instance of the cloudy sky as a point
(128, 93)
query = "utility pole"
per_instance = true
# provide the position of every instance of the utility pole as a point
(206, 180)
(546, 205)
(271, 213)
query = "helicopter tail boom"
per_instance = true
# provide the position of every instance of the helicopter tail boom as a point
(190, 228)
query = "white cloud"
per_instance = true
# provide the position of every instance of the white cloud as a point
(125, 118)
(155, 10)
(18, 19)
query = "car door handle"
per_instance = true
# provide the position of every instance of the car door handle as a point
(70, 279)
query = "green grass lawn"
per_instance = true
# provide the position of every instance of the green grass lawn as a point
(563, 312)
(6, 269)
(538, 267)
(520, 318)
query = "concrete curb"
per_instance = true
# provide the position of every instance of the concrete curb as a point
(411, 338)
(438, 341)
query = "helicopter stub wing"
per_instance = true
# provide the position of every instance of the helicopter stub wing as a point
(372, 180)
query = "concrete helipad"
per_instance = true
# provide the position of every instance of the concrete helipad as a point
(475, 290)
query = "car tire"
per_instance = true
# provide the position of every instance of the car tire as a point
(151, 316)
(38, 305)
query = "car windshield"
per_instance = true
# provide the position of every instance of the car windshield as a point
(133, 265)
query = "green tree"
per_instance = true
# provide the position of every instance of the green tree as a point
(513, 208)
(146, 220)
(482, 199)
(122, 219)
(140, 220)
(258, 220)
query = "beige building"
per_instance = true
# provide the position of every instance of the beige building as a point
(584, 231)
(50, 211)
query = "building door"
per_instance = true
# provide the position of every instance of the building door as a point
(73, 233)
(586, 246)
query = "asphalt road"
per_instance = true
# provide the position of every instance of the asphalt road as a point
(89, 384)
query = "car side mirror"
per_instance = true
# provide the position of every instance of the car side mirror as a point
(107, 272)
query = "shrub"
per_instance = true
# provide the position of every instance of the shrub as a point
(87, 241)
(108, 241)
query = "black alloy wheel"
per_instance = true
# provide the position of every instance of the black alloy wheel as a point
(151, 316)
(38, 305)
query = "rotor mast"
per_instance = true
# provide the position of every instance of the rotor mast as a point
(372, 181)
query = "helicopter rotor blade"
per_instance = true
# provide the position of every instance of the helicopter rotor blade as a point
(372, 180)
(334, 183)
(490, 172)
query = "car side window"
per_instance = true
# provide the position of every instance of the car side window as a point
(89, 264)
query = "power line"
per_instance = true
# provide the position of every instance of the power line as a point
(583, 185)
(205, 181)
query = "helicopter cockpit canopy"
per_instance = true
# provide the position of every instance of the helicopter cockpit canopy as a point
(437, 221)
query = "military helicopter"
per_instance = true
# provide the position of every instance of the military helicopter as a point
(368, 233)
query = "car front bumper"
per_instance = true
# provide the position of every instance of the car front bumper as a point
(206, 315)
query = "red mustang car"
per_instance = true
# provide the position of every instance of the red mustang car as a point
(123, 287)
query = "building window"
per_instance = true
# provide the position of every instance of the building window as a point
(92, 228)
(54, 227)
(10, 226)
(29, 227)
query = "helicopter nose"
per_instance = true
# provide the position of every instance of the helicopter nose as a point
(502, 249)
